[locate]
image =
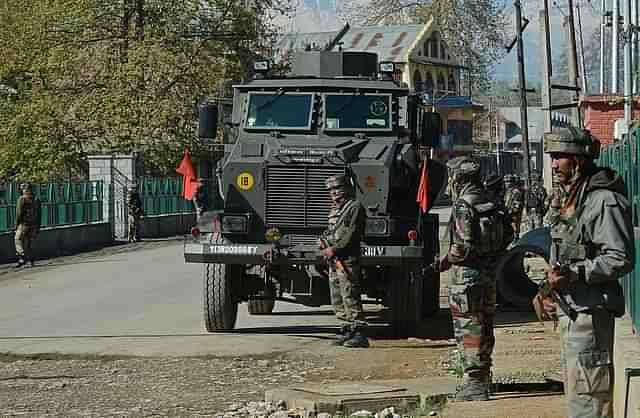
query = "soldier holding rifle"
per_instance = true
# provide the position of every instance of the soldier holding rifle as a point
(593, 247)
(341, 247)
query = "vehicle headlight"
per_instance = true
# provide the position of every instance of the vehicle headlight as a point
(236, 224)
(377, 226)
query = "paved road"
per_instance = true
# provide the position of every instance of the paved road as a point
(145, 302)
(142, 302)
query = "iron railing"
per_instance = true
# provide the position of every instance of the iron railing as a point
(623, 157)
(163, 196)
(72, 203)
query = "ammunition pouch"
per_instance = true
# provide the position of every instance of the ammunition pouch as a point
(466, 298)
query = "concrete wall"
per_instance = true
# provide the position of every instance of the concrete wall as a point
(167, 225)
(626, 354)
(63, 240)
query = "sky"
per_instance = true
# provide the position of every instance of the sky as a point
(321, 15)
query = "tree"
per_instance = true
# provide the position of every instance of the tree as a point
(117, 76)
(475, 29)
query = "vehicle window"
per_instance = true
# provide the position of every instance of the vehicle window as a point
(279, 110)
(358, 111)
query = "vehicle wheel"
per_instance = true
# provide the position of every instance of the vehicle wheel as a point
(220, 303)
(405, 291)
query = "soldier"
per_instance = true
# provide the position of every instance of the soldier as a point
(27, 225)
(593, 247)
(134, 204)
(341, 245)
(536, 202)
(201, 199)
(494, 186)
(514, 202)
(475, 241)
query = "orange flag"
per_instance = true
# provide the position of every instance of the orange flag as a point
(423, 190)
(190, 182)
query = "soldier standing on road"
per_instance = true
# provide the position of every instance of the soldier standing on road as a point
(342, 249)
(593, 247)
(27, 225)
(134, 205)
(472, 293)
(514, 202)
(536, 202)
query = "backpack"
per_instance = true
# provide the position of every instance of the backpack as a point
(494, 229)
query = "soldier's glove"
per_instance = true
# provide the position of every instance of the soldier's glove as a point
(445, 264)
(561, 278)
(329, 252)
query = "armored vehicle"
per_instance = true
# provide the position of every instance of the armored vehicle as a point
(337, 113)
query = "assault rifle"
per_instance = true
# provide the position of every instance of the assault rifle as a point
(339, 264)
(546, 291)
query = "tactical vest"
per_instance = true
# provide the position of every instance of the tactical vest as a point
(492, 227)
(336, 219)
(569, 246)
(29, 212)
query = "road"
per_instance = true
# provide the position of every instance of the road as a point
(142, 302)
(146, 301)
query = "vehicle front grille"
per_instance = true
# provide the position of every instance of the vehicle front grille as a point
(296, 196)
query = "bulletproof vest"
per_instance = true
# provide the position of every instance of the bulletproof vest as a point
(513, 199)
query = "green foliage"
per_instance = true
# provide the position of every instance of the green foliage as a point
(98, 76)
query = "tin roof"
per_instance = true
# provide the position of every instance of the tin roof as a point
(296, 41)
(392, 43)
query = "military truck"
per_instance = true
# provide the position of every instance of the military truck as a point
(337, 113)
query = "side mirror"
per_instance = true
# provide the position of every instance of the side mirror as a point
(208, 120)
(431, 129)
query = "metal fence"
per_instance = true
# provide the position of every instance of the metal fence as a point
(623, 157)
(61, 203)
(163, 196)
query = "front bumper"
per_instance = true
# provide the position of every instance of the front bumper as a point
(249, 253)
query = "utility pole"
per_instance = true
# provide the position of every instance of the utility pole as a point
(603, 29)
(627, 63)
(585, 81)
(547, 72)
(615, 20)
(574, 75)
(524, 122)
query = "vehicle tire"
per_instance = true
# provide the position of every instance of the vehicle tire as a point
(220, 304)
(405, 300)
(263, 303)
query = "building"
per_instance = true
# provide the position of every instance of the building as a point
(422, 61)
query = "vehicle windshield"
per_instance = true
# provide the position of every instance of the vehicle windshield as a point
(280, 110)
(358, 111)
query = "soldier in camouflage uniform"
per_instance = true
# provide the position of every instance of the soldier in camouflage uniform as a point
(134, 205)
(472, 293)
(514, 201)
(536, 202)
(27, 224)
(593, 247)
(494, 186)
(341, 246)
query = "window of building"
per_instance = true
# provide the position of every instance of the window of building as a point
(452, 86)
(417, 81)
(440, 86)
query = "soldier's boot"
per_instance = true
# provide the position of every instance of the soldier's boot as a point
(476, 387)
(343, 335)
(20, 262)
(358, 340)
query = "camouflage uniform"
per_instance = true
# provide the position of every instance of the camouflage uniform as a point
(27, 224)
(345, 230)
(134, 205)
(593, 240)
(472, 293)
(514, 202)
(536, 204)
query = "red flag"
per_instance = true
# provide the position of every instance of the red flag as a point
(190, 182)
(423, 190)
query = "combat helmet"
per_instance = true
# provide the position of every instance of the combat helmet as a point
(464, 166)
(572, 141)
(339, 181)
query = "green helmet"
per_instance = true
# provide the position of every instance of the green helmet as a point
(337, 182)
(572, 141)
(464, 166)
